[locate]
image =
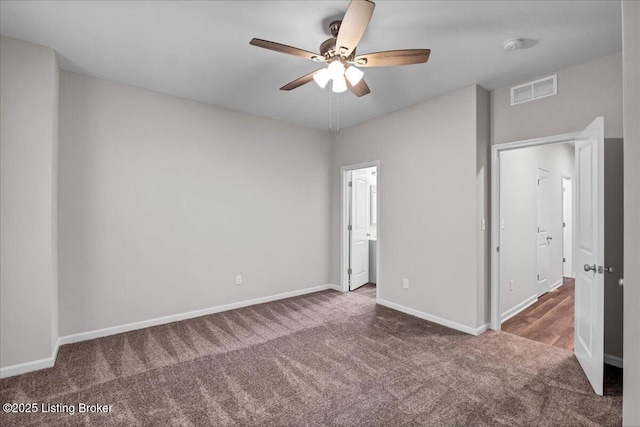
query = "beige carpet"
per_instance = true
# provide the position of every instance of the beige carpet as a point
(321, 359)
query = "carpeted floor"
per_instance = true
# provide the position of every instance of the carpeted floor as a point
(368, 290)
(320, 359)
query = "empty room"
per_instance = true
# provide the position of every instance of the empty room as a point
(319, 213)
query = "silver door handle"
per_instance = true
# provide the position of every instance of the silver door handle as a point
(549, 238)
(609, 270)
(621, 282)
(588, 267)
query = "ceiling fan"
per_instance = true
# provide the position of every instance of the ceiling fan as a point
(339, 53)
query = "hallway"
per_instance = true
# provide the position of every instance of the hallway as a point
(549, 320)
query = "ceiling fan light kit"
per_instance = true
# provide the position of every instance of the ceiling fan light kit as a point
(336, 70)
(339, 52)
(339, 85)
(354, 75)
(322, 77)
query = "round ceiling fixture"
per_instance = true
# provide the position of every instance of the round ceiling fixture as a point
(511, 45)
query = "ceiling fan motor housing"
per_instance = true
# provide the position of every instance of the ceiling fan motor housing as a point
(328, 47)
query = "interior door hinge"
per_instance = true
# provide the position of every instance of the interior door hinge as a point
(538, 277)
(350, 183)
(497, 248)
(564, 224)
(349, 271)
(564, 260)
(349, 227)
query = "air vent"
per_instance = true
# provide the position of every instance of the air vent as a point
(534, 90)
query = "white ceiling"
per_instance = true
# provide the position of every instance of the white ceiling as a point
(200, 50)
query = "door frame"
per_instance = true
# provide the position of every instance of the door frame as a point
(496, 149)
(344, 222)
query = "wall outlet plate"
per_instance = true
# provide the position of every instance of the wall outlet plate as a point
(405, 283)
(239, 279)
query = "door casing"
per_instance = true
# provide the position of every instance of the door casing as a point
(344, 222)
(495, 212)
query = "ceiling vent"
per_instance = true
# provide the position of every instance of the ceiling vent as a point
(536, 89)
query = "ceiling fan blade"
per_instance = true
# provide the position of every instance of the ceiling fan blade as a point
(353, 25)
(299, 82)
(283, 48)
(361, 89)
(392, 57)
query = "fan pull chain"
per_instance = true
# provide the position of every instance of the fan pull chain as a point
(337, 113)
(330, 112)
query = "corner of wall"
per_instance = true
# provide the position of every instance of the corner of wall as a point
(483, 186)
(29, 123)
(55, 331)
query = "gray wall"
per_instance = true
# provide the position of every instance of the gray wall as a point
(518, 210)
(427, 186)
(164, 200)
(28, 145)
(631, 59)
(585, 92)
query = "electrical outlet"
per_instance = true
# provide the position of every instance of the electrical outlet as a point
(239, 279)
(502, 224)
(511, 285)
(405, 283)
(483, 225)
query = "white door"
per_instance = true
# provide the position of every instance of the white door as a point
(589, 252)
(567, 221)
(359, 241)
(543, 238)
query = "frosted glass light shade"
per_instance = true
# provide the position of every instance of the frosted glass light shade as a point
(336, 70)
(354, 75)
(322, 77)
(339, 85)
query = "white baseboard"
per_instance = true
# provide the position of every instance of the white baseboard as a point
(35, 365)
(612, 360)
(431, 318)
(335, 287)
(482, 328)
(556, 285)
(98, 333)
(518, 308)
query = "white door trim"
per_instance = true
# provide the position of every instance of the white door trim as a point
(344, 221)
(495, 212)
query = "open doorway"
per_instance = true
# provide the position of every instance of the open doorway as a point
(567, 227)
(537, 295)
(558, 251)
(360, 230)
